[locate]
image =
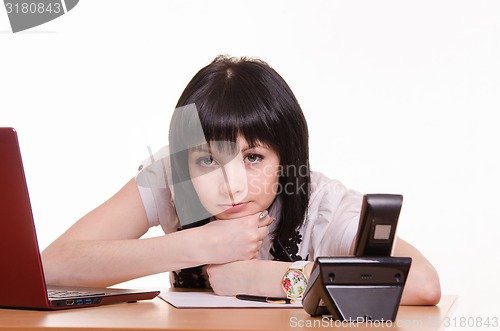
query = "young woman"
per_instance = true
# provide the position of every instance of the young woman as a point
(236, 181)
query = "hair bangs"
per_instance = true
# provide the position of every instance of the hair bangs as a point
(242, 116)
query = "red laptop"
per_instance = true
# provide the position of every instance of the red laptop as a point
(22, 282)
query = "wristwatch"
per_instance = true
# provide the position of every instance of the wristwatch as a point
(295, 281)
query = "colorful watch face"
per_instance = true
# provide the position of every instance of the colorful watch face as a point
(294, 283)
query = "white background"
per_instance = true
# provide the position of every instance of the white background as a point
(400, 97)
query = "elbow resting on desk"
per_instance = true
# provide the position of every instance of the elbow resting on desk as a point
(422, 286)
(428, 292)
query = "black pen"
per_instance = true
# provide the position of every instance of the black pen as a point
(263, 299)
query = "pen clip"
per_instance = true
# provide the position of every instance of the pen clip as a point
(279, 301)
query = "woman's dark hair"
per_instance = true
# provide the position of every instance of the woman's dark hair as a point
(244, 96)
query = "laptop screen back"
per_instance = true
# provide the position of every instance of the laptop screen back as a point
(21, 277)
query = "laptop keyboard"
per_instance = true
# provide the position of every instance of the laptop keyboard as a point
(62, 294)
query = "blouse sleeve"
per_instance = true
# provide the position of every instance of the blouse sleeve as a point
(153, 185)
(334, 218)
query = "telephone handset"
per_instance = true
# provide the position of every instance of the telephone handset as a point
(377, 224)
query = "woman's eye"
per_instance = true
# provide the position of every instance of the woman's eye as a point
(206, 161)
(253, 158)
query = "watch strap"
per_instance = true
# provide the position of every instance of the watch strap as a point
(299, 265)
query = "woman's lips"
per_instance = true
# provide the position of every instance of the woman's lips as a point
(233, 208)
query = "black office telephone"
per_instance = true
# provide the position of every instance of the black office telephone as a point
(369, 285)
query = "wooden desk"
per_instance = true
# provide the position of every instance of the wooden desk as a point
(157, 314)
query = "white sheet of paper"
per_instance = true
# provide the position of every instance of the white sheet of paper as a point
(210, 300)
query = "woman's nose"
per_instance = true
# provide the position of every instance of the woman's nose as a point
(235, 179)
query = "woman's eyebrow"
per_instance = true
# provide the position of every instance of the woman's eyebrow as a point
(247, 148)
(205, 148)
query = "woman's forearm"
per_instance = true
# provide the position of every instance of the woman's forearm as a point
(262, 277)
(108, 262)
(255, 277)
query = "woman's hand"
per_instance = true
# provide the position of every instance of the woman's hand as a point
(234, 240)
(232, 278)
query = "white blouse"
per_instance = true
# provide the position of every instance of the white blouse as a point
(330, 225)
